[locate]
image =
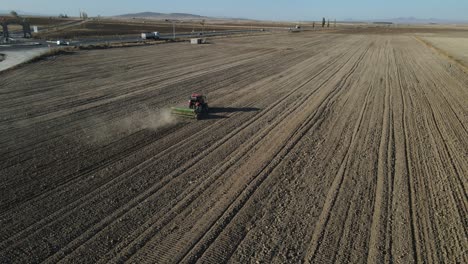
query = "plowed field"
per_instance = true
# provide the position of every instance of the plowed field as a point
(319, 148)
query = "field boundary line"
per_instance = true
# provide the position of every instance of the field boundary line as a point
(441, 52)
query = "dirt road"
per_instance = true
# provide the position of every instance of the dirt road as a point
(320, 148)
(11, 59)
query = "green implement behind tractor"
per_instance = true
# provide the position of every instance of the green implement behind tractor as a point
(197, 107)
(186, 112)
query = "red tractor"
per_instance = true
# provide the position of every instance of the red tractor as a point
(198, 103)
(197, 107)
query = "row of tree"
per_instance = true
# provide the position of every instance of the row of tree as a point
(17, 19)
(327, 23)
(83, 15)
(324, 22)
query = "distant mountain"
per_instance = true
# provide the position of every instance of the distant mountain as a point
(7, 12)
(21, 13)
(155, 15)
(414, 20)
(410, 20)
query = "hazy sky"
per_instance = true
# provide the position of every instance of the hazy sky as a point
(258, 9)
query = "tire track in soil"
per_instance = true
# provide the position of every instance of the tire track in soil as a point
(192, 70)
(188, 140)
(187, 77)
(68, 178)
(357, 178)
(430, 223)
(376, 243)
(269, 111)
(224, 244)
(111, 109)
(334, 189)
(327, 100)
(408, 169)
(122, 176)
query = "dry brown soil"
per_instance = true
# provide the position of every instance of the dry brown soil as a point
(455, 47)
(319, 148)
(113, 28)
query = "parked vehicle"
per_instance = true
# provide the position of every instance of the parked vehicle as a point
(63, 43)
(151, 35)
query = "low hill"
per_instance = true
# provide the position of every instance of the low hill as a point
(155, 15)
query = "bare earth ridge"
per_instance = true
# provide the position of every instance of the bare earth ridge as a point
(320, 148)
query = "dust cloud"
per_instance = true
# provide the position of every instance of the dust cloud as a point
(147, 119)
(144, 118)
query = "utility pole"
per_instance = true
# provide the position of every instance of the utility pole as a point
(173, 27)
(26, 28)
(203, 26)
(6, 34)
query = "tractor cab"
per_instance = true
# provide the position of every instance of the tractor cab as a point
(198, 107)
(197, 100)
